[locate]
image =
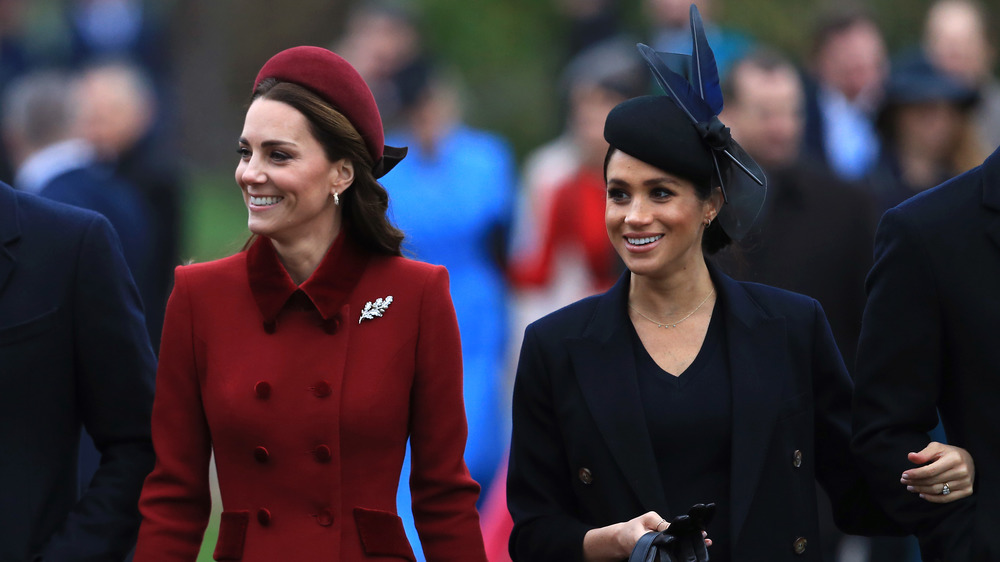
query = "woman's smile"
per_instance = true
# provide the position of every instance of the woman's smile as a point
(261, 203)
(641, 242)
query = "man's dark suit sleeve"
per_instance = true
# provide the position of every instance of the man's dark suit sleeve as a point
(898, 383)
(114, 377)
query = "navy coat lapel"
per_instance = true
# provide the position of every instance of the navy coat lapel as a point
(991, 193)
(10, 231)
(755, 355)
(604, 364)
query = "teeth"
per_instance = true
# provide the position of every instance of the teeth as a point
(643, 241)
(264, 201)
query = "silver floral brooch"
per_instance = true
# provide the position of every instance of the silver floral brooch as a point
(375, 309)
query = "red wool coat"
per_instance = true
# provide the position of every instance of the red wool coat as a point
(308, 408)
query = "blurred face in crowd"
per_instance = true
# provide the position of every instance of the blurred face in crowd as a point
(378, 44)
(674, 13)
(655, 219)
(854, 62)
(113, 115)
(286, 178)
(590, 107)
(955, 40)
(927, 130)
(765, 113)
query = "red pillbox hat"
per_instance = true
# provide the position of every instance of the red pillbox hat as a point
(334, 79)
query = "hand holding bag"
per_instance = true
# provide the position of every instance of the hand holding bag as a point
(682, 541)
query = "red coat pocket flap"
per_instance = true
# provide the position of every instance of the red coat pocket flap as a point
(382, 533)
(232, 535)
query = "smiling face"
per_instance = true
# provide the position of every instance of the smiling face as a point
(287, 180)
(655, 220)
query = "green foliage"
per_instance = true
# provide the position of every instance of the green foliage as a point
(507, 54)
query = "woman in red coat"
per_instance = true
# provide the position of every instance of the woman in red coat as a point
(307, 361)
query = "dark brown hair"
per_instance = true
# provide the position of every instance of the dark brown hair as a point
(365, 204)
(714, 238)
(834, 21)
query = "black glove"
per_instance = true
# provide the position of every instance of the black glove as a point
(682, 541)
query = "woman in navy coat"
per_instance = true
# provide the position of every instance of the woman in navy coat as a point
(306, 362)
(679, 385)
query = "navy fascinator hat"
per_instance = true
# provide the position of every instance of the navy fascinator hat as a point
(680, 132)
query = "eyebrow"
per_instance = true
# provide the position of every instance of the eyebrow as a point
(269, 143)
(652, 182)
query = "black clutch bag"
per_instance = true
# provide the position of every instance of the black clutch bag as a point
(682, 541)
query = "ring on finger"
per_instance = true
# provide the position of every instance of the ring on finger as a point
(945, 489)
(662, 522)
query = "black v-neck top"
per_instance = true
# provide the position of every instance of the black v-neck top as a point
(690, 423)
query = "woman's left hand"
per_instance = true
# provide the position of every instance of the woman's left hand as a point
(945, 467)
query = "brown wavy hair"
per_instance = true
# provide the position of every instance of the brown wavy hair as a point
(365, 204)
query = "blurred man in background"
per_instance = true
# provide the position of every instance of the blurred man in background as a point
(117, 111)
(39, 129)
(849, 64)
(815, 233)
(39, 124)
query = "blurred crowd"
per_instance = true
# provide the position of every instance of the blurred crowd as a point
(85, 121)
(844, 132)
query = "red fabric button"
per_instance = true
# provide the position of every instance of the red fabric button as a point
(324, 518)
(262, 389)
(322, 389)
(261, 454)
(322, 453)
(263, 517)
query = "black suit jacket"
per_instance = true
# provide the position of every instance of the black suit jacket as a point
(73, 352)
(928, 345)
(581, 454)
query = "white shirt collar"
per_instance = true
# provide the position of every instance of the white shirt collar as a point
(53, 160)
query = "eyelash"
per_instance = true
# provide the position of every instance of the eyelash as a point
(277, 155)
(619, 195)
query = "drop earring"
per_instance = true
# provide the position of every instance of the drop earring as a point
(336, 198)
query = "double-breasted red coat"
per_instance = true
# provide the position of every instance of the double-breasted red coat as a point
(308, 404)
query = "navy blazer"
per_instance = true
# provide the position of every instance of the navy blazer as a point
(73, 352)
(582, 457)
(928, 346)
(97, 188)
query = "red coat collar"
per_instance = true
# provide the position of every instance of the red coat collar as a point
(327, 288)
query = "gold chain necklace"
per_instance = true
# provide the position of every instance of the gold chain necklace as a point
(675, 324)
